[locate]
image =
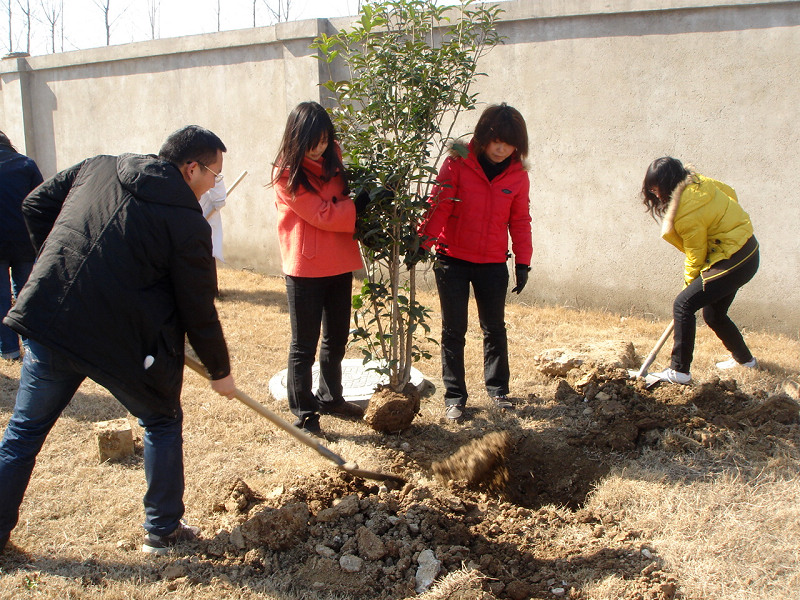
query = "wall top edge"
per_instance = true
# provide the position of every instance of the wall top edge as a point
(311, 28)
(281, 32)
(525, 9)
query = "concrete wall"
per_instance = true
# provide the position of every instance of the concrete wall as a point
(606, 86)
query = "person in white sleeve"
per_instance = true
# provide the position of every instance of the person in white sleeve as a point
(212, 202)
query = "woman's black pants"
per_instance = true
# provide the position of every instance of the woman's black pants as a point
(715, 298)
(489, 283)
(316, 302)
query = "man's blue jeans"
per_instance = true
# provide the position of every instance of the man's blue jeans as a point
(13, 275)
(47, 383)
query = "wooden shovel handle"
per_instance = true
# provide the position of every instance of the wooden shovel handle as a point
(298, 434)
(295, 432)
(656, 349)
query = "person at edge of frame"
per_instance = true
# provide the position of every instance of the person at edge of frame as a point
(19, 176)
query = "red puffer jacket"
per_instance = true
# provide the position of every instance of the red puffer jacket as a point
(471, 217)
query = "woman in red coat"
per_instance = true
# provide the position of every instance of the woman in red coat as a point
(316, 222)
(480, 198)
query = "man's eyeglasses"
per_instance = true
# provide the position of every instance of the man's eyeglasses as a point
(217, 176)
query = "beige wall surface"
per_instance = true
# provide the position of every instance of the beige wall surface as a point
(606, 86)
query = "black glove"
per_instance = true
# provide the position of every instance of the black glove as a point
(521, 273)
(361, 201)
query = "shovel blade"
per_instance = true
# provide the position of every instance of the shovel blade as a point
(651, 381)
(354, 470)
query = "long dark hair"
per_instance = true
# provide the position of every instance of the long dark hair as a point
(4, 141)
(504, 123)
(664, 174)
(308, 124)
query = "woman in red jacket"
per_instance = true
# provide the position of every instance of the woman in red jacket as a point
(480, 198)
(316, 222)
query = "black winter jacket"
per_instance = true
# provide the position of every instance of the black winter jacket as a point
(124, 272)
(19, 175)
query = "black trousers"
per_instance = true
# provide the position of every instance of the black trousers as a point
(314, 303)
(715, 298)
(489, 282)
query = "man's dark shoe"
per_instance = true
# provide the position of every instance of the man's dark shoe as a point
(309, 424)
(342, 409)
(161, 544)
(3, 542)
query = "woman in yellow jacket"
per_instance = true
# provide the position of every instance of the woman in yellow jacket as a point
(702, 218)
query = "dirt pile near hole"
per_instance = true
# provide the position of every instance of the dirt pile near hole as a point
(346, 537)
(596, 416)
(361, 542)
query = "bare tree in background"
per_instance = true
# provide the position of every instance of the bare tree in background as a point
(279, 9)
(105, 6)
(25, 7)
(219, 12)
(10, 31)
(254, 12)
(53, 11)
(153, 7)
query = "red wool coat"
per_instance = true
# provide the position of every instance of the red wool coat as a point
(316, 226)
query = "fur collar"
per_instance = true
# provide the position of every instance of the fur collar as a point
(668, 222)
(459, 149)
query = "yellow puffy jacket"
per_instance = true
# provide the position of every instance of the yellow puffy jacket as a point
(705, 222)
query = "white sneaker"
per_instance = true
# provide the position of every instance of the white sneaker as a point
(673, 376)
(731, 363)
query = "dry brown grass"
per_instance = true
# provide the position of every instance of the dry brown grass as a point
(726, 522)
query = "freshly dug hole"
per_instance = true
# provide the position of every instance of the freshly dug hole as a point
(482, 461)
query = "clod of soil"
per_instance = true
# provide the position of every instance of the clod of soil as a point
(482, 461)
(780, 409)
(390, 411)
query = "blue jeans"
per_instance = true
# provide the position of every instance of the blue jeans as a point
(47, 383)
(316, 302)
(13, 275)
(489, 282)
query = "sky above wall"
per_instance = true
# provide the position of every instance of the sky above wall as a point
(84, 26)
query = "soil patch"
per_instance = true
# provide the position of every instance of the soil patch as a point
(499, 506)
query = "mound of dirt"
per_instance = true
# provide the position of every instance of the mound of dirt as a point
(497, 529)
(354, 540)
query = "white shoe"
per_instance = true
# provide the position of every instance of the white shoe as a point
(731, 363)
(673, 376)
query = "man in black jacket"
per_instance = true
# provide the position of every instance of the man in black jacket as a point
(124, 271)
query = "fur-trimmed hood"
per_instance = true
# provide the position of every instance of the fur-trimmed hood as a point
(461, 149)
(668, 222)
